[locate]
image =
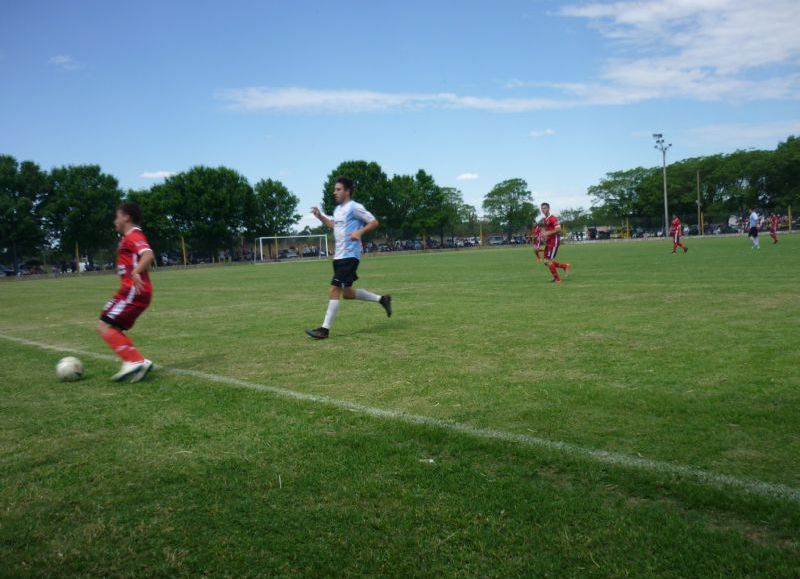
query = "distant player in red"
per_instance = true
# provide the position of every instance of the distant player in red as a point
(773, 228)
(134, 258)
(675, 230)
(552, 237)
(536, 241)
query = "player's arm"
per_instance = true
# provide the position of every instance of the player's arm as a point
(371, 226)
(549, 234)
(146, 258)
(326, 221)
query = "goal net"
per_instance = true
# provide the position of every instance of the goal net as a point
(282, 247)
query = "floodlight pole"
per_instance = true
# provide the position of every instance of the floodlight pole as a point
(663, 148)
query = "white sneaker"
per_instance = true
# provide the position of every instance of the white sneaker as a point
(147, 365)
(127, 370)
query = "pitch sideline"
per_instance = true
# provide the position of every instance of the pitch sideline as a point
(707, 478)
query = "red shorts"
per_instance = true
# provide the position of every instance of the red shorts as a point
(537, 245)
(122, 310)
(676, 237)
(551, 250)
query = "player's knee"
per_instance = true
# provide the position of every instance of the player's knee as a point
(349, 293)
(102, 327)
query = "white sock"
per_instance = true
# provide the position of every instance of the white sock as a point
(330, 315)
(362, 294)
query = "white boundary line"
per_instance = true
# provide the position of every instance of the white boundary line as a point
(706, 478)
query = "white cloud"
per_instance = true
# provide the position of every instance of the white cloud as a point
(65, 62)
(250, 99)
(468, 177)
(542, 133)
(734, 50)
(738, 135)
(157, 174)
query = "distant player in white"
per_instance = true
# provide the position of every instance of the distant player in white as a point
(753, 234)
(350, 222)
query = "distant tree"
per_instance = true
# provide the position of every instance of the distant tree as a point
(275, 209)
(157, 220)
(210, 206)
(451, 212)
(427, 206)
(575, 218)
(510, 205)
(22, 188)
(370, 187)
(80, 207)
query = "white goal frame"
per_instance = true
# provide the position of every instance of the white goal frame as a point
(262, 242)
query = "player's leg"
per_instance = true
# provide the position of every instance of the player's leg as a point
(773, 236)
(120, 314)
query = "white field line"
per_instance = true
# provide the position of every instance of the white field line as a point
(703, 477)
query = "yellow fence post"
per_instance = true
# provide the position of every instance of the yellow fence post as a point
(183, 248)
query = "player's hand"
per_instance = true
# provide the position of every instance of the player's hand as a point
(316, 212)
(137, 282)
(356, 235)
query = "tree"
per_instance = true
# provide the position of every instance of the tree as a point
(80, 208)
(427, 201)
(275, 209)
(370, 187)
(451, 211)
(210, 206)
(22, 187)
(575, 218)
(157, 220)
(510, 205)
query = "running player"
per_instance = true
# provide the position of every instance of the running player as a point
(676, 235)
(134, 257)
(773, 227)
(552, 236)
(753, 233)
(350, 222)
(536, 241)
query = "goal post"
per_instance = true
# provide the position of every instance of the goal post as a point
(281, 247)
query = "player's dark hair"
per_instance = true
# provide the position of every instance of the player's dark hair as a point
(346, 182)
(545, 203)
(132, 210)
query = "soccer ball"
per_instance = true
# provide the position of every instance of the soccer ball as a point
(69, 369)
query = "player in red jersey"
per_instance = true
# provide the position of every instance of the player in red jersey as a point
(536, 241)
(134, 258)
(773, 228)
(675, 230)
(552, 236)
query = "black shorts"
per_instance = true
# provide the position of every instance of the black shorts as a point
(344, 272)
(753, 232)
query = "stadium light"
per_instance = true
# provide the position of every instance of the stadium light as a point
(663, 148)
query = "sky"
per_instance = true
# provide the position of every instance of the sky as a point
(473, 92)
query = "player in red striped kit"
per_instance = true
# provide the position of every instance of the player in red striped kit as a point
(134, 258)
(675, 230)
(552, 236)
(536, 241)
(773, 228)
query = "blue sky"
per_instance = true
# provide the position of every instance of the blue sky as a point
(557, 93)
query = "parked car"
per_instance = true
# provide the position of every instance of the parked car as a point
(4, 270)
(288, 254)
(496, 240)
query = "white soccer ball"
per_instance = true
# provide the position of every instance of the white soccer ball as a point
(69, 369)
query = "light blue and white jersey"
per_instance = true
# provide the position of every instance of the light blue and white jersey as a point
(753, 219)
(347, 218)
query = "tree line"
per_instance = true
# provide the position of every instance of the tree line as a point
(214, 209)
(728, 185)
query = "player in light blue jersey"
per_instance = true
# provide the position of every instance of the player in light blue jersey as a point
(350, 222)
(753, 233)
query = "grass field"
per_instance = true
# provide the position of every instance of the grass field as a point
(640, 419)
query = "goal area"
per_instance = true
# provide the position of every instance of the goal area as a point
(283, 247)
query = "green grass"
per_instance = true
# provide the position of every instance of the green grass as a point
(688, 360)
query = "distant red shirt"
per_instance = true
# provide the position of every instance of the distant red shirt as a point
(676, 227)
(774, 223)
(132, 245)
(536, 234)
(550, 223)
